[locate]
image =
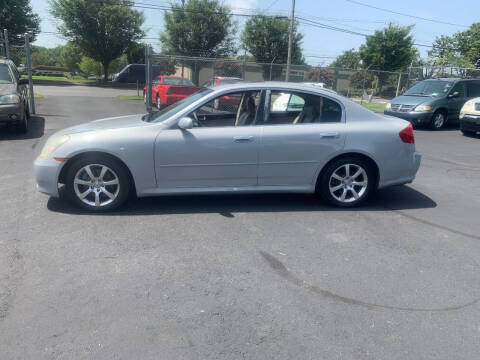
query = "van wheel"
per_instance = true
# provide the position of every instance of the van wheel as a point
(438, 120)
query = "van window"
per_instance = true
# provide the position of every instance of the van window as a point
(473, 89)
(460, 88)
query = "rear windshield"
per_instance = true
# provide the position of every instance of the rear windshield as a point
(177, 81)
(435, 88)
(5, 76)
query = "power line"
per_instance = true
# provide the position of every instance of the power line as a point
(404, 14)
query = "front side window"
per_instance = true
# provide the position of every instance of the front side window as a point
(233, 109)
(301, 108)
(460, 88)
(5, 75)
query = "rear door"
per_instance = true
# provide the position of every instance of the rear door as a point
(297, 140)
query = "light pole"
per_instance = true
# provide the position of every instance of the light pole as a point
(271, 66)
(290, 41)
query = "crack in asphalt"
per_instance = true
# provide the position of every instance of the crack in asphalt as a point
(285, 273)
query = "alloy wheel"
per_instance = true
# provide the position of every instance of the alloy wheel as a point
(348, 183)
(96, 185)
(438, 120)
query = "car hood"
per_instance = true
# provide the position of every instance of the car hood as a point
(119, 122)
(7, 89)
(411, 100)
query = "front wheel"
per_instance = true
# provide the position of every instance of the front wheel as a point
(97, 183)
(438, 120)
(347, 182)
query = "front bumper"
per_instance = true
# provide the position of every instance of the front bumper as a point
(470, 123)
(47, 172)
(416, 118)
(10, 113)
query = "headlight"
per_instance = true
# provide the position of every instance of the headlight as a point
(52, 145)
(388, 106)
(423, 108)
(9, 99)
(469, 108)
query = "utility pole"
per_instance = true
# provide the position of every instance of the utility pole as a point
(29, 72)
(290, 41)
(5, 42)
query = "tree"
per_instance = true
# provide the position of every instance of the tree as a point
(90, 66)
(350, 59)
(71, 56)
(200, 28)
(266, 38)
(136, 53)
(389, 49)
(103, 30)
(18, 18)
(323, 75)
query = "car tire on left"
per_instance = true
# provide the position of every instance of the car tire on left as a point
(22, 127)
(97, 183)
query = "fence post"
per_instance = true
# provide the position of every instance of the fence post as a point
(29, 72)
(148, 80)
(408, 75)
(398, 85)
(5, 41)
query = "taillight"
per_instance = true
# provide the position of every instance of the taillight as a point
(407, 135)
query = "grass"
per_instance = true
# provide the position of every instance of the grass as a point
(375, 107)
(129, 97)
(62, 78)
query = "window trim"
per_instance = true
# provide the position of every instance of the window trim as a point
(269, 97)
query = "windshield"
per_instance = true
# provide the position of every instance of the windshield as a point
(173, 109)
(5, 76)
(430, 88)
(177, 81)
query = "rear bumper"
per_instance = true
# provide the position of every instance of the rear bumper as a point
(10, 113)
(408, 173)
(470, 123)
(416, 118)
(46, 176)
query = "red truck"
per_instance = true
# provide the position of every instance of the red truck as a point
(167, 90)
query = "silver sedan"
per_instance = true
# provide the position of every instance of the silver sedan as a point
(266, 137)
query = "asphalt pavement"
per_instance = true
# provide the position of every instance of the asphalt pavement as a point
(238, 277)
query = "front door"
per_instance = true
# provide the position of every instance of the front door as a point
(217, 152)
(456, 103)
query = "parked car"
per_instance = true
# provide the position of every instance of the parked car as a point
(14, 108)
(135, 72)
(226, 102)
(92, 77)
(167, 90)
(331, 146)
(434, 102)
(470, 117)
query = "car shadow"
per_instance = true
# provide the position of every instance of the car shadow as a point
(391, 199)
(36, 129)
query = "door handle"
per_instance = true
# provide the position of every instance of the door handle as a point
(329, 134)
(243, 138)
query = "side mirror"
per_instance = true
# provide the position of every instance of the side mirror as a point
(454, 95)
(185, 123)
(23, 82)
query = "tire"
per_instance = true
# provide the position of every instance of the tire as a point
(144, 97)
(158, 102)
(355, 188)
(438, 121)
(22, 128)
(27, 106)
(98, 196)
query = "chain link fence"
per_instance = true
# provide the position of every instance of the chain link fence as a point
(20, 55)
(358, 84)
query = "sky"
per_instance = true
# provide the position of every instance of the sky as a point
(321, 46)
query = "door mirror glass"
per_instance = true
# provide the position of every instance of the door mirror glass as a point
(185, 123)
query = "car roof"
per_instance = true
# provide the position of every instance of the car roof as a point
(278, 84)
(451, 79)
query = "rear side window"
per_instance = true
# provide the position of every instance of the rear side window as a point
(460, 88)
(473, 89)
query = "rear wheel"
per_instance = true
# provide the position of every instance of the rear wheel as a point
(347, 182)
(97, 183)
(438, 120)
(158, 102)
